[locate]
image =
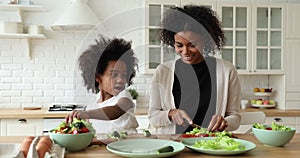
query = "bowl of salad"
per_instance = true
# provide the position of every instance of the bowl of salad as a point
(274, 134)
(73, 137)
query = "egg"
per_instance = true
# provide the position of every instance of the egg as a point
(25, 145)
(46, 140)
(42, 148)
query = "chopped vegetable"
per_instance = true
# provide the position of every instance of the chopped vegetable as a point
(203, 132)
(274, 126)
(146, 133)
(165, 149)
(220, 143)
(118, 135)
(76, 127)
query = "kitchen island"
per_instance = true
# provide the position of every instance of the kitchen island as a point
(290, 150)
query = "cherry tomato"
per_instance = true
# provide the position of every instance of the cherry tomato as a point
(84, 130)
(269, 128)
(75, 131)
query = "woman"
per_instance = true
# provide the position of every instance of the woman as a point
(197, 88)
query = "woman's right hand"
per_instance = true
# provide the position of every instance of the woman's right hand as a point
(177, 116)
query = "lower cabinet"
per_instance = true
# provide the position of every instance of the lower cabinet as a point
(21, 127)
(292, 121)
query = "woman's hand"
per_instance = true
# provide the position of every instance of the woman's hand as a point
(178, 116)
(76, 114)
(217, 123)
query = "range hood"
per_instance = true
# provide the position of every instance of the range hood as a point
(78, 16)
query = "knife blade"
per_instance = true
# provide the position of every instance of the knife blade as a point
(193, 124)
(196, 126)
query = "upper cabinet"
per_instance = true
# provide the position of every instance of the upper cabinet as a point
(254, 36)
(156, 51)
(236, 22)
(293, 22)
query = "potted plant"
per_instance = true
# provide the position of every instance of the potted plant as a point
(134, 94)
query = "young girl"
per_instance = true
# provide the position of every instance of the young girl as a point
(107, 68)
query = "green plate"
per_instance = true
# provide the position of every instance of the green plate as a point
(144, 147)
(189, 142)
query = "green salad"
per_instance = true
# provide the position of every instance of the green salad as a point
(203, 132)
(76, 127)
(220, 143)
(274, 126)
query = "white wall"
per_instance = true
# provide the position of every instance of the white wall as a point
(49, 76)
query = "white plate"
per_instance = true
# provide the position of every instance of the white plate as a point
(262, 94)
(189, 142)
(143, 147)
(263, 106)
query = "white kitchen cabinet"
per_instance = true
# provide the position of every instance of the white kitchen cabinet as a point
(21, 127)
(293, 22)
(292, 121)
(156, 52)
(292, 74)
(254, 33)
(26, 38)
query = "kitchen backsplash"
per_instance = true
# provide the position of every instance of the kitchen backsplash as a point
(49, 76)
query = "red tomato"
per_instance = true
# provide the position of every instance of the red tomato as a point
(75, 131)
(269, 128)
(84, 130)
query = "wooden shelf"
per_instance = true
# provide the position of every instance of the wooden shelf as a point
(8, 35)
(26, 38)
(13, 7)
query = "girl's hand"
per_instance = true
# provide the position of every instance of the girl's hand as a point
(217, 123)
(76, 114)
(178, 116)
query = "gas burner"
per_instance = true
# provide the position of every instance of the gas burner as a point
(66, 107)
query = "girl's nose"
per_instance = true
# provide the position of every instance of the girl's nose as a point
(121, 79)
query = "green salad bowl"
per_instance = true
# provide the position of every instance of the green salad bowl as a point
(275, 138)
(72, 142)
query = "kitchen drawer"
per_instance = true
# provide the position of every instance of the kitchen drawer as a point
(283, 120)
(21, 127)
(293, 97)
(289, 105)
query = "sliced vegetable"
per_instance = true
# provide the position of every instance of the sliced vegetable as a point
(274, 126)
(203, 132)
(76, 127)
(146, 133)
(165, 149)
(220, 143)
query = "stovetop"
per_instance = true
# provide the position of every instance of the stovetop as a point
(66, 107)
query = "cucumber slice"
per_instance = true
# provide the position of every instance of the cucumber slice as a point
(147, 133)
(166, 149)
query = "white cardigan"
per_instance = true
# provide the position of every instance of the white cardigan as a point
(162, 100)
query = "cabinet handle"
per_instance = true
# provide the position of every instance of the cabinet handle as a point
(22, 121)
(277, 119)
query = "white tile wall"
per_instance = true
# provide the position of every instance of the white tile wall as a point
(49, 76)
